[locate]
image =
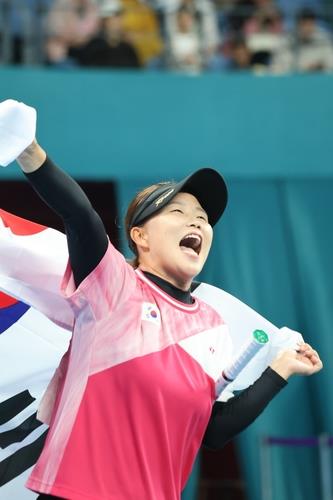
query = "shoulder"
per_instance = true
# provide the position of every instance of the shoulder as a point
(210, 294)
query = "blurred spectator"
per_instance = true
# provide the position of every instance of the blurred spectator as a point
(308, 49)
(265, 16)
(238, 13)
(240, 58)
(290, 8)
(204, 29)
(75, 21)
(185, 44)
(70, 23)
(109, 48)
(264, 34)
(21, 30)
(142, 29)
(254, 28)
(128, 33)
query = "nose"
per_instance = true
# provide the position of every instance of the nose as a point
(195, 224)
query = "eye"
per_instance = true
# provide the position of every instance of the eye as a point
(177, 210)
(202, 217)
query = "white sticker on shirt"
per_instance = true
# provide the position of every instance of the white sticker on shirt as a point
(150, 313)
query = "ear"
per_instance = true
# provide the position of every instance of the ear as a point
(139, 237)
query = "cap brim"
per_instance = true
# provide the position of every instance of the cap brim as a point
(209, 188)
(206, 184)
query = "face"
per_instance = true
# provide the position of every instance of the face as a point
(306, 28)
(113, 24)
(242, 56)
(185, 21)
(174, 244)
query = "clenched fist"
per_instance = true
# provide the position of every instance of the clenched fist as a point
(304, 361)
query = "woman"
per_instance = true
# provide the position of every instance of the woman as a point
(133, 398)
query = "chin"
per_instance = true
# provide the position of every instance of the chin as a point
(191, 271)
(185, 270)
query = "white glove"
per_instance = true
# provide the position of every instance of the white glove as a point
(17, 129)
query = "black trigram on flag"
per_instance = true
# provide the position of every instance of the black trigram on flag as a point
(22, 436)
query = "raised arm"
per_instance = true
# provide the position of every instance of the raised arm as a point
(233, 416)
(86, 236)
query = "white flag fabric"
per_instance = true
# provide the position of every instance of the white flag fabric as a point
(35, 326)
(242, 321)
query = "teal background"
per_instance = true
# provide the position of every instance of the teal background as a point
(125, 125)
(272, 138)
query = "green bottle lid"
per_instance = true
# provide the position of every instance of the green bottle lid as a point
(260, 336)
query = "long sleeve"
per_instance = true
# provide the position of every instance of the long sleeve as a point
(86, 236)
(231, 417)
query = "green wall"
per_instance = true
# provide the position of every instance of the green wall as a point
(134, 125)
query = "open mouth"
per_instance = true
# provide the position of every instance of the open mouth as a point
(191, 243)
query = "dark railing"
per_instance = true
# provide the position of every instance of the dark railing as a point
(324, 445)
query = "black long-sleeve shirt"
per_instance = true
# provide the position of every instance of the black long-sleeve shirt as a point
(87, 242)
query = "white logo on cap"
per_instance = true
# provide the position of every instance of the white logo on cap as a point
(161, 198)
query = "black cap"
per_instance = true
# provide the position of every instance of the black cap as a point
(206, 184)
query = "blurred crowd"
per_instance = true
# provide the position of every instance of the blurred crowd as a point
(192, 36)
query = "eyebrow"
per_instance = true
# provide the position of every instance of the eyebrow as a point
(200, 209)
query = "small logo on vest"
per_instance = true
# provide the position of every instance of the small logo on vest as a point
(150, 313)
